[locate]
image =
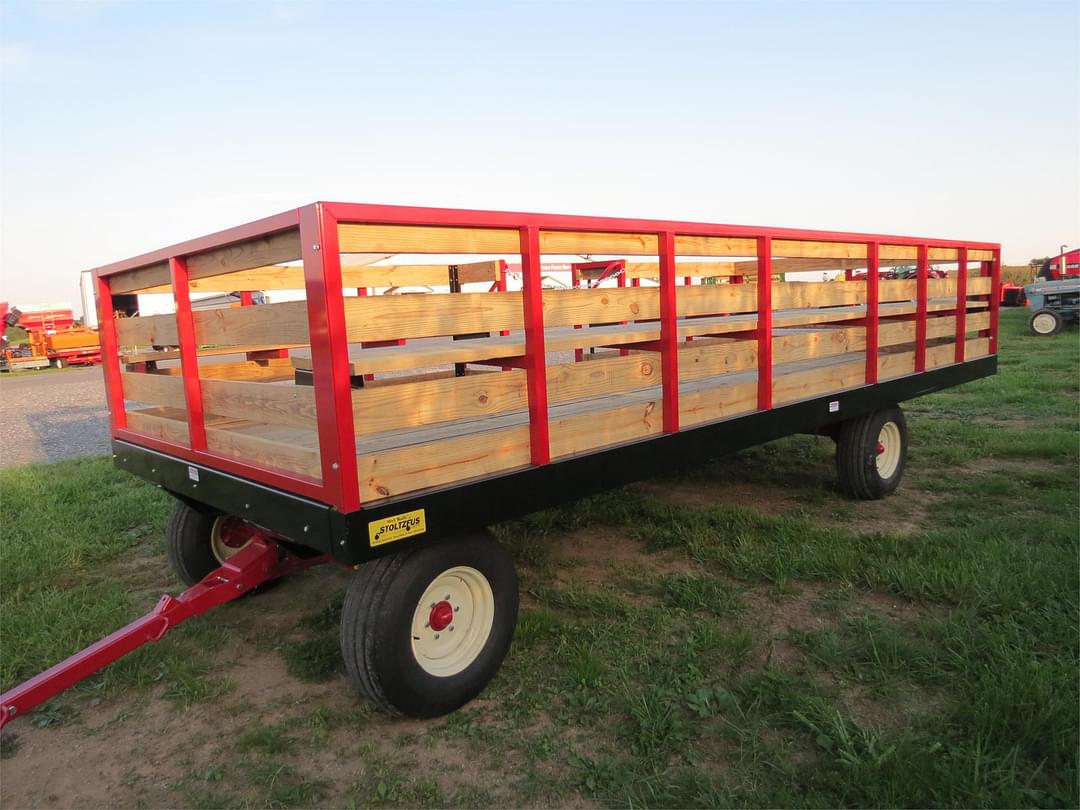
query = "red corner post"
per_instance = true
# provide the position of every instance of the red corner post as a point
(110, 355)
(872, 297)
(995, 299)
(189, 353)
(961, 302)
(922, 289)
(535, 348)
(764, 322)
(669, 332)
(330, 367)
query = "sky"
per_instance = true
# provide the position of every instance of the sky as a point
(129, 126)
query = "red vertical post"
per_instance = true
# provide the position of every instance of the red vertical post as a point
(189, 353)
(532, 297)
(922, 289)
(110, 355)
(500, 286)
(872, 280)
(995, 299)
(330, 367)
(246, 298)
(669, 332)
(961, 302)
(764, 322)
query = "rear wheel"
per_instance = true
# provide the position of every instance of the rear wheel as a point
(424, 631)
(1046, 322)
(871, 451)
(198, 541)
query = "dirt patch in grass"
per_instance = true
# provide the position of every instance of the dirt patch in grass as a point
(705, 493)
(898, 710)
(603, 556)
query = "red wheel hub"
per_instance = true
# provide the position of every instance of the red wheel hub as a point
(880, 448)
(236, 533)
(441, 615)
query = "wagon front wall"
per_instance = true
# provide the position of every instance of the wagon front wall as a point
(429, 350)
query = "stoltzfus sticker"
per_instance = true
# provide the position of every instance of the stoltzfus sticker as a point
(397, 527)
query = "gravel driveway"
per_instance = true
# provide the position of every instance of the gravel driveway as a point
(52, 415)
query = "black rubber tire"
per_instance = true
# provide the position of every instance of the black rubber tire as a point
(187, 541)
(856, 455)
(1059, 322)
(376, 626)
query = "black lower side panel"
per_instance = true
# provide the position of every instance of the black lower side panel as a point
(466, 506)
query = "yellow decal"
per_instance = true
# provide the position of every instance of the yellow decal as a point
(397, 527)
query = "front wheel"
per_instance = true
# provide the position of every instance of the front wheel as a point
(871, 451)
(1046, 322)
(425, 630)
(198, 541)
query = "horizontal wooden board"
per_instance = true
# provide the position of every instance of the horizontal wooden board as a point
(284, 323)
(355, 238)
(574, 435)
(406, 469)
(272, 370)
(152, 356)
(980, 285)
(596, 242)
(798, 384)
(142, 278)
(600, 305)
(722, 402)
(156, 389)
(146, 330)
(274, 248)
(388, 317)
(687, 245)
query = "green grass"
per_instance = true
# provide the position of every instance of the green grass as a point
(785, 647)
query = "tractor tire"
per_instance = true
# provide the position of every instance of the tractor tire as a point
(425, 630)
(200, 540)
(1046, 322)
(871, 451)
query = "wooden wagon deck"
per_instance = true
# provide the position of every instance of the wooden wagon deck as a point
(431, 390)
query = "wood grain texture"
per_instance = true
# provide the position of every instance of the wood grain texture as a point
(574, 435)
(141, 279)
(722, 402)
(406, 469)
(600, 305)
(601, 243)
(355, 238)
(686, 245)
(272, 249)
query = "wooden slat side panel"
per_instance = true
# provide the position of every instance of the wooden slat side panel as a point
(979, 285)
(147, 330)
(940, 254)
(593, 243)
(142, 279)
(897, 290)
(273, 370)
(898, 252)
(612, 375)
(156, 389)
(272, 249)
(600, 305)
(589, 431)
(722, 402)
(388, 317)
(713, 299)
(421, 239)
(807, 294)
(254, 449)
(708, 359)
(977, 347)
(292, 405)
(976, 255)
(942, 355)
(895, 364)
(714, 246)
(426, 402)
(284, 323)
(159, 426)
(407, 469)
(941, 287)
(798, 385)
(801, 249)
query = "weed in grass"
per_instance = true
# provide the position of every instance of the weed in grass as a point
(53, 714)
(9, 744)
(267, 740)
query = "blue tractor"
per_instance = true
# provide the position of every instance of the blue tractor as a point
(1054, 304)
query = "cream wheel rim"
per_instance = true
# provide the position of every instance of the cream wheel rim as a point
(888, 450)
(229, 535)
(1043, 323)
(452, 621)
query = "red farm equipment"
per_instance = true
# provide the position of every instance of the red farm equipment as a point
(385, 432)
